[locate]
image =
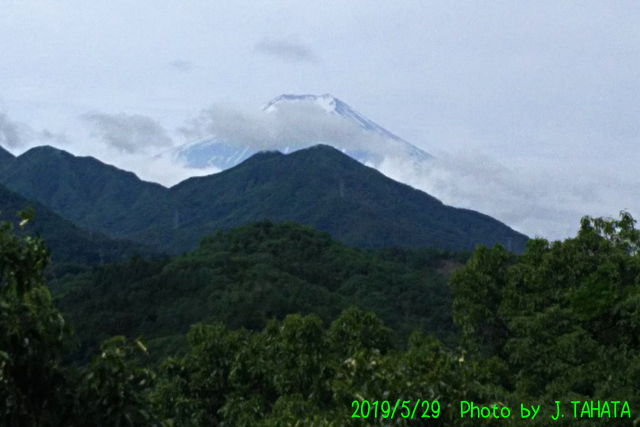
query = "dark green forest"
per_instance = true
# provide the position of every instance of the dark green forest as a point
(295, 328)
(71, 247)
(255, 273)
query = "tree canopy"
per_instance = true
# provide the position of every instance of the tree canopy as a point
(553, 326)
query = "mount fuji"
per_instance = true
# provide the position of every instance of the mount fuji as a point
(292, 122)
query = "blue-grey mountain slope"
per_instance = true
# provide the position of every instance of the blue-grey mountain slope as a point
(5, 157)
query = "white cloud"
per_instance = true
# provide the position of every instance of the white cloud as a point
(163, 170)
(293, 124)
(129, 133)
(528, 199)
(14, 134)
(53, 138)
(285, 50)
(180, 65)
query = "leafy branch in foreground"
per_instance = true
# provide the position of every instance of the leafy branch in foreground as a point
(36, 387)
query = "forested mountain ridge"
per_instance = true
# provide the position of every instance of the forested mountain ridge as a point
(328, 190)
(319, 186)
(84, 190)
(254, 273)
(68, 243)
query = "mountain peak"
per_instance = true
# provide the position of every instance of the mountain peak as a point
(332, 105)
(224, 154)
(47, 149)
(315, 153)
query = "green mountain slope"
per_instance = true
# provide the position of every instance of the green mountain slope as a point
(67, 242)
(92, 194)
(5, 158)
(254, 273)
(319, 186)
(330, 191)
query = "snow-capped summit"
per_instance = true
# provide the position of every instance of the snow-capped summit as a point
(327, 120)
(331, 105)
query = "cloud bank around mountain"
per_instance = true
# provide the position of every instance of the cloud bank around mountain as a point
(298, 125)
(128, 142)
(529, 198)
(535, 199)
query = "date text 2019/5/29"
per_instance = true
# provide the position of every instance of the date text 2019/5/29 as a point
(365, 409)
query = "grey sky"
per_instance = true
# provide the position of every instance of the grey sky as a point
(532, 106)
(286, 50)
